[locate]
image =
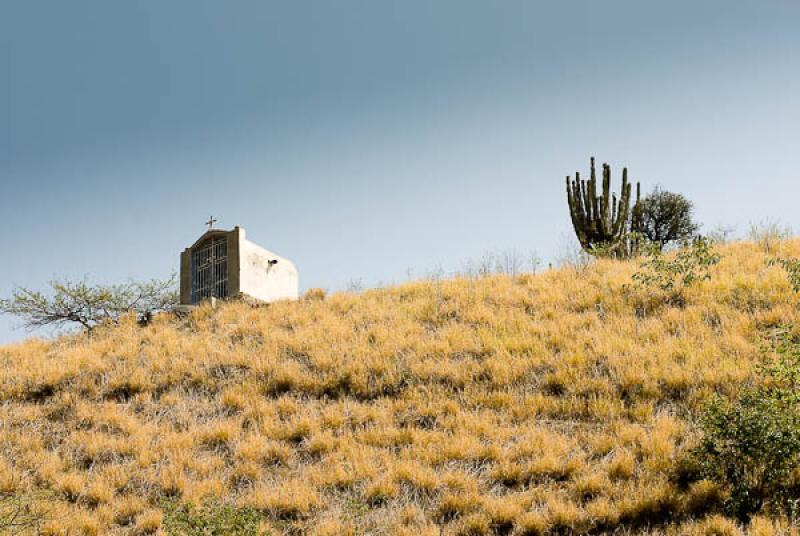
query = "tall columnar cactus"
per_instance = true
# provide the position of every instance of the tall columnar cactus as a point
(602, 223)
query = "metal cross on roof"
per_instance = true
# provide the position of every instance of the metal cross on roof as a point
(211, 221)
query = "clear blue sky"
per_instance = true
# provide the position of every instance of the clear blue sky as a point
(365, 138)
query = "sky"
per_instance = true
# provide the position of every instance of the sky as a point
(375, 141)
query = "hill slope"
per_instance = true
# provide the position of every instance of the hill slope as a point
(500, 405)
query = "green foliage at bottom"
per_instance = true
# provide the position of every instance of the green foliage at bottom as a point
(751, 445)
(210, 519)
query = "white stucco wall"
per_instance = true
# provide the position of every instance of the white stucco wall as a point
(262, 280)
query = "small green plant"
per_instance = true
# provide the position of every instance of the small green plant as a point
(792, 268)
(210, 519)
(674, 272)
(751, 445)
(21, 512)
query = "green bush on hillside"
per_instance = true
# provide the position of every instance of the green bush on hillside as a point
(751, 445)
(671, 274)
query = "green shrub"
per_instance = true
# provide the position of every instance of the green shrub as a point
(751, 445)
(210, 519)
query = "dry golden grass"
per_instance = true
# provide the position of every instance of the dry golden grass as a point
(527, 405)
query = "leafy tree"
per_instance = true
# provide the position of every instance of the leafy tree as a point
(665, 217)
(90, 305)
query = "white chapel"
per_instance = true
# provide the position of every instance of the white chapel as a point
(224, 264)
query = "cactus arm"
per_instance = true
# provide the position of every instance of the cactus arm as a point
(578, 201)
(614, 207)
(575, 211)
(607, 216)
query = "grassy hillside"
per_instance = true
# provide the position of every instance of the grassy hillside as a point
(554, 402)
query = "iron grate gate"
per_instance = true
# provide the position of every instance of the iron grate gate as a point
(210, 270)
